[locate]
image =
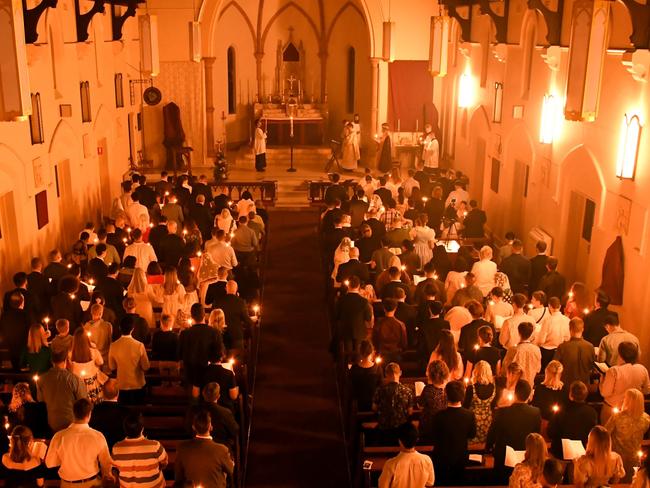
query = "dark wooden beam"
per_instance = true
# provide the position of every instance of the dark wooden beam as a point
(500, 21)
(640, 15)
(83, 20)
(552, 18)
(465, 24)
(31, 18)
(118, 20)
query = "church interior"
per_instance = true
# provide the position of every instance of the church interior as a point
(539, 107)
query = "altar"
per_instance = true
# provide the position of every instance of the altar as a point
(306, 122)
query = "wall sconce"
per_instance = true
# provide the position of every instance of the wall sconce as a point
(498, 102)
(629, 147)
(465, 91)
(549, 121)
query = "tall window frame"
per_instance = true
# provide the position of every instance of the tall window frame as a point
(86, 112)
(36, 120)
(232, 80)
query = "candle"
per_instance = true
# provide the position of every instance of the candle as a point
(556, 408)
(466, 380)
(35, 377)
(615, 410)
(425, 199)
(291, 122)
(586, 311)
(256, 309)
(476, 347)
(378, 359)
(417, 125)
(346, 282)
(299, 88)
(399, 125)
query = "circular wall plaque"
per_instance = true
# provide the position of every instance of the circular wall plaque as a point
(152, 96)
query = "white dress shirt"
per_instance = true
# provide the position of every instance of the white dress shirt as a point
(138, 216)
(79, 451)
(554, 331)
(484, 271)
(509, 336)
(407, 470)
(143, 252)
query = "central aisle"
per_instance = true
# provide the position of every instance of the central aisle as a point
(296, 435)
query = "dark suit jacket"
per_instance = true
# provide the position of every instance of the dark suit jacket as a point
(352, 312)
(113, 292)
(14, 327)
(107, 417)
(517, 267)
(537, 270)
(224, 426)
(336, 191)
(155, 235)
(204, 221)
(474, 222)
(202, 189)
(163, 186)
(202, 462)
(40, 289)
(389, 290)
(510, 426)
(97, 269)
(215, 291)
(198, 345)
(327, 224)
(408, 314)
(553, 284)
(385, 195)
(65, 307)
(146, 195)
(595, 326)
(237, 318)
(469, 338)
(377, 226)
(28, 297)
(429, 335)
(357, 212)
(452, 428)
(441, 293)
(172, 249)
(366, 246)
(574, 421)
(353, 268)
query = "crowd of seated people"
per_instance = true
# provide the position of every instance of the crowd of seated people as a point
(462, 344)
(163, 286)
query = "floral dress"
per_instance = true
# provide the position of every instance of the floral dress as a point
(423, 237)
(482, 410)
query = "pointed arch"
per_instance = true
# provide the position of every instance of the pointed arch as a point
(238, 8)
(480, 115)
(279, 12)
(528, 41)
(335, 19)
(581, 171)
(62, 136)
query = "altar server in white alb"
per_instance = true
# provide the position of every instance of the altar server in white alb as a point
(350, 148)
(259, 146)
(429, 148)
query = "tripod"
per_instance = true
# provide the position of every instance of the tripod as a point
(334, 157)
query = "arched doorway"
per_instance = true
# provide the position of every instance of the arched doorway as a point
(582, 192)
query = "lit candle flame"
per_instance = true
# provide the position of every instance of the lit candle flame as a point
(256, 308)
(151, 225)
(403, 267)
(346, 282)
(95, 240)
(556, 408)
(232, 234)
(189, 321)
(83, 372)
(91, 281)
(476, 347)
(35, 377)
(184, 232)
(73, 296)
(435, 276)
(124, 240)
(166, 193)
(69, 266)
(231, 361)
(230, 202)
(199, 254)
(491, 302)
(128, 229)
(7, 425)
(585, 311)
(615, 410)
(46, 320)
(192, 268)
(425, 199)
(378, 359)
(530, 306)
(640, 454)
(511, 397)
(465, 214)
(466, 380)
(570, 294)
(88, 334)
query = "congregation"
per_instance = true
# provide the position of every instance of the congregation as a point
(147, 320)
(481, 363)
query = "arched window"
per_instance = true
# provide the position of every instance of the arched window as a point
(232, 82)
(351, 80)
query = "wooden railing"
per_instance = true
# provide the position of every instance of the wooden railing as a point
(266, 191)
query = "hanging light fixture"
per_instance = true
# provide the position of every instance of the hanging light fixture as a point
(439, 45)
(548, 125)
(388, 47)
(465, 90)
(628, 152)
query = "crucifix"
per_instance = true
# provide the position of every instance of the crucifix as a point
(292, 79)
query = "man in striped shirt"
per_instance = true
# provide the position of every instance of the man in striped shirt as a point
(139, 460)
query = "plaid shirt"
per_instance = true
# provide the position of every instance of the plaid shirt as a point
(390, 216)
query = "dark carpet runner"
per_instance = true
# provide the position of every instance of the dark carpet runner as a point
(296, 435)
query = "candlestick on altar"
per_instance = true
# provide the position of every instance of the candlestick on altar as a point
(291, 122)
(417, 125)
(399, 125)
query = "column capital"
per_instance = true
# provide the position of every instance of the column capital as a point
(209, 61)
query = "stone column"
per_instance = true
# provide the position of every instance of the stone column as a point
(374, 91)
(208, 64)
(259, 56)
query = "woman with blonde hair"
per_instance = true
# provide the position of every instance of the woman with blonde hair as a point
(484, 270)
(627, 429)
(173, 298)
(599, 465)
(341, 256)
(506, 386)
(85, 362)
(424, 238)
(528, 474)
(144, 296)
(447, 352)
(549, 395)
(22, 468)
(21, 395)
(217, 320)
(480, 393)
(225, 222)
(37, 355)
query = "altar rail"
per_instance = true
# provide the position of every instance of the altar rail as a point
(266, 191)
(317, 189)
